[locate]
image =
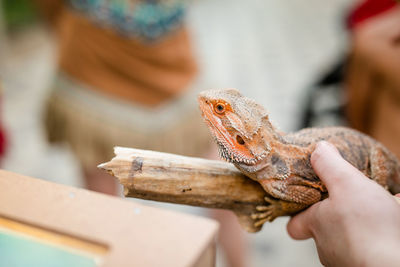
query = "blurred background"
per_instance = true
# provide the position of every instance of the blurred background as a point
(81, 76)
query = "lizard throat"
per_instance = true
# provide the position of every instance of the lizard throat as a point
(230, 155)
(226, 153)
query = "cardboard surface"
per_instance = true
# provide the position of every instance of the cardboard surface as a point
(134, 235)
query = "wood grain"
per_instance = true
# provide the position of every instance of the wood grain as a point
(185, 180)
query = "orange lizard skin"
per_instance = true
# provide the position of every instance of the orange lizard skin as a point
(281, 162)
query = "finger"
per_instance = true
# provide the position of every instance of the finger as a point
(334, 171)
(300, 226)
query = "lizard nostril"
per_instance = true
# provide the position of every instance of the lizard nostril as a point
(240, 140)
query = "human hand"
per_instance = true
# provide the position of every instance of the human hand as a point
(358, 225)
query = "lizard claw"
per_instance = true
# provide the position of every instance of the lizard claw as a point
(268, 212)
(261, 215)
(262, 208)
(260, 222)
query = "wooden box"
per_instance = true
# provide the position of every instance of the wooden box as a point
(102, 230)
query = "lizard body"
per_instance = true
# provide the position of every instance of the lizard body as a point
(281, 162)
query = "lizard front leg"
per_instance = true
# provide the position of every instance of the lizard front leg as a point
(274, 209)
(289, 196)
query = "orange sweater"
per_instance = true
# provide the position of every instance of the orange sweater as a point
(146, 73)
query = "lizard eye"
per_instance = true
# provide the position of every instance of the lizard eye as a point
(240, 140)
(220, 108)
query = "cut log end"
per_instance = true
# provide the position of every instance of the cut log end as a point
(105, 167)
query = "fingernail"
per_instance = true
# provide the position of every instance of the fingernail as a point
(326, 145)
(322, 149)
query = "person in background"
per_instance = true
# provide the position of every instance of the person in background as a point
(127, 77)
(372, 78)
(361, 89)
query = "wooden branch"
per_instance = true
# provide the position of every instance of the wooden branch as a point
(185, 180)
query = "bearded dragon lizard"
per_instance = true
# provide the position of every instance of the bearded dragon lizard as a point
(281, 162)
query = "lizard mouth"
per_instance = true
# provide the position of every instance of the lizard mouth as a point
(227, 148)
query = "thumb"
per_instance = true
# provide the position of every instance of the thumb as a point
(300, 226)
(334, 171)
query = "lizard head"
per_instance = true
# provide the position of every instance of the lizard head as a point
(235, 123)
